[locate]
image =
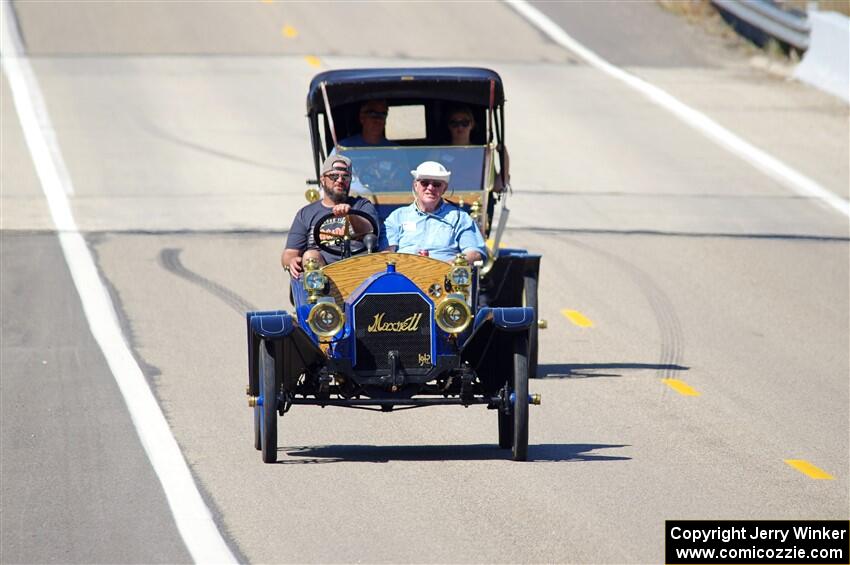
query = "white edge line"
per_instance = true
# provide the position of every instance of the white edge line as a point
(776, 169)
(48, 144)
(191, 514)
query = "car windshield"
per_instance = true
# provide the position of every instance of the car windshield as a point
(387, 169)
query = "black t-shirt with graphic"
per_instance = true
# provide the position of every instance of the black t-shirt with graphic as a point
(301, 233)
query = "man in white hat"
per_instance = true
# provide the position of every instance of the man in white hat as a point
(432, 225)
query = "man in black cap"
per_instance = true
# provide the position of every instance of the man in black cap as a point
(335, 181)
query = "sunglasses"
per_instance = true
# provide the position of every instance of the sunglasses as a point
(459, 123)
(375, 114)
(435, 183)
(335, 176)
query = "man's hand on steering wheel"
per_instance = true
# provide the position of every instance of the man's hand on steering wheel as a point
(360, 226)
(340, 210)
(338, 242)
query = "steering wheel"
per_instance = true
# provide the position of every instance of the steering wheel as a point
(339, 244)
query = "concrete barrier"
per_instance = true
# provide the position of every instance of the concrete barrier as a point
(826, 64)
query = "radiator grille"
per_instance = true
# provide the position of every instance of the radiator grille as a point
(386, 322)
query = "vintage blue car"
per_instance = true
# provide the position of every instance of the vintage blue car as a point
(384, 330)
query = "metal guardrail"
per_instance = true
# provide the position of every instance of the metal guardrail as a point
(760, 20)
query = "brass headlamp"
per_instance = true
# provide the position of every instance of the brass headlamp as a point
(312, 194)
(315, 280)
(460, 275)
(326, 318)
(453, 314)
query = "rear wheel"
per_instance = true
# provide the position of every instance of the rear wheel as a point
(530, 300)
(268, 410)
(520, 431)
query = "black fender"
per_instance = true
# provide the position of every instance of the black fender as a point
(294, 352)
(504, 282)
(512, 319)
(489, 348)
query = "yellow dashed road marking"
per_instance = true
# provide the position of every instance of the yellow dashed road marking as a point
(577, 318)
(289, 32)
(313, 61)
(680, 387)
(809, 470)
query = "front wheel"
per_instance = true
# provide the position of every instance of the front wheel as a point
(268, 423)
(520, 431)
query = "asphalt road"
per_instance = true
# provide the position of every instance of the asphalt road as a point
(77, 486)
(182, 128)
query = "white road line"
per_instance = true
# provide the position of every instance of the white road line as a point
(46, 144)
(193, 518)
(768, 164)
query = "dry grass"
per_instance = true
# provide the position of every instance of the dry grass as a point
(703, 14)
(842, 6)
(696, 10)
(693, 10)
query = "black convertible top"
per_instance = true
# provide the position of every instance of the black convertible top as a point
(470, 85)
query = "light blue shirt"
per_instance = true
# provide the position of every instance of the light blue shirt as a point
(445, 232)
